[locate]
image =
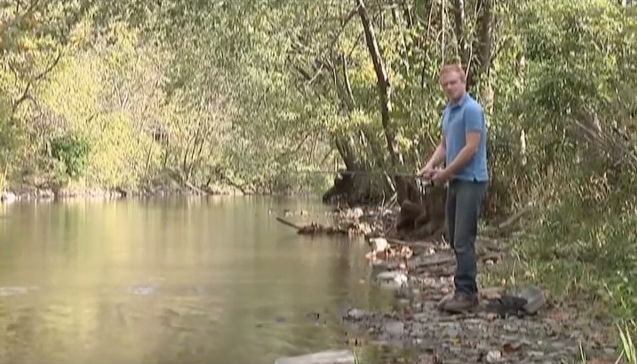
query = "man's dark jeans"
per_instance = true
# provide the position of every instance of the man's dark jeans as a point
(464, 201)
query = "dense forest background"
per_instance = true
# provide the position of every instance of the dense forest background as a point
(266, 96)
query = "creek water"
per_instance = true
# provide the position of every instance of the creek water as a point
(214, 280)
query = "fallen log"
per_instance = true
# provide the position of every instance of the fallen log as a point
(288, 223)
(507, 226)
(316, 229)
(194, 188)
(422, 263)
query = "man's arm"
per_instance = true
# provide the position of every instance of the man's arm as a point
(474, 123)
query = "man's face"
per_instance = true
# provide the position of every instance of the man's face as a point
(452, 85)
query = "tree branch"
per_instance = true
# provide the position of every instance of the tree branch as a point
(25, 94)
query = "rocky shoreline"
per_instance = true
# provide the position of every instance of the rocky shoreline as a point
(47, 195)
(420, 273)
(551, 335)
(36, 194)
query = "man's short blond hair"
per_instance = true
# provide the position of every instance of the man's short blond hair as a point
(453, 67)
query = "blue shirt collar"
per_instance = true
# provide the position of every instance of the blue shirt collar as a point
(462, 101)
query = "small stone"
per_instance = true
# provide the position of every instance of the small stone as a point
(423, 317)
(491, 293)
(535, 354)
(379, 244)
(512, 346)
(444, 300)
(473, 321)
(558, 345)
(451, 332)
(610, 351)
(535, 299)
(494, 356)
(357, 212)
(392, 279)
(357, 314)
(388, 276)
(394, 328)
(418, 330)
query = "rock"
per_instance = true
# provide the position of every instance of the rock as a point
(379, 244)
(383, 266)
(7, 197)
(535, 299)
(391, 275)
(429, 358)
(418, 330)
(491, 293)
(440, 305)
(494, 356)
(392, 285)
(324, 357)
(392, 279)
(535, 354)
(394, 328)
(357, 314)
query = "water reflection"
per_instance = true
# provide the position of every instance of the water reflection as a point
(194, 281)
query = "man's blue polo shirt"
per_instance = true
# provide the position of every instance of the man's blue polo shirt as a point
(458, 119)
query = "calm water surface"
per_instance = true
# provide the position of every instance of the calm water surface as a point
(168, 281)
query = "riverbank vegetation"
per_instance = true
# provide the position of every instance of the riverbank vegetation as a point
(267, 96)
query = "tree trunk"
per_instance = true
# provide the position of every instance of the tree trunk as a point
(384, 93)
(461, 38)
(481, 47)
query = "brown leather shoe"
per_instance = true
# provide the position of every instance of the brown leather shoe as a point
(460, 303)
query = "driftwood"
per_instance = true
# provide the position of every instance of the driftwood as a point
(195, 189)
(316, 229)
(508, 225)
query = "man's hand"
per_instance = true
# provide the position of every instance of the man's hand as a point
(441, 176)
(427, 172)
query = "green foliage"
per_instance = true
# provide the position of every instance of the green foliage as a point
(73, 152)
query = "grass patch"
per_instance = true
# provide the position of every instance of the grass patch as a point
(582, 254)
(577, 254)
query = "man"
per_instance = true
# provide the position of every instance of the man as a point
(464, 151)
